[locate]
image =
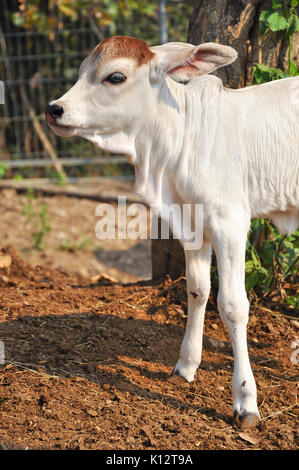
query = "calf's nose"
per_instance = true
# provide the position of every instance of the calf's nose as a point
(53, 111)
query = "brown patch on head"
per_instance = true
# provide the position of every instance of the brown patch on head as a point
(124, 46)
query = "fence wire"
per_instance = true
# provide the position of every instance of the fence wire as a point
(37, 67)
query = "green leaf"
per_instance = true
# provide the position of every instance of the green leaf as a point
(292, 300)
(255, 258)
(276, 22)
(294, 3)
(263, 74)
(249, 266)
(251, 280)
(276, 4)
(17, 19)
(270, 227)
(3, 168)
(268, 251)
(288, 245)
(293, 24)
(272, 20)
(264, 14)
(256, 224)
(263, 23)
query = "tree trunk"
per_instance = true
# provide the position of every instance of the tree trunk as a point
(168, 258)
(234, 23)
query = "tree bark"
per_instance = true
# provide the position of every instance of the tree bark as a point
(168, 258)
(236, 23)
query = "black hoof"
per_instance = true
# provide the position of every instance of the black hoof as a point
(176, 378)
(246, 420)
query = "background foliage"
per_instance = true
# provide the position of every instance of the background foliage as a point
(137, 18)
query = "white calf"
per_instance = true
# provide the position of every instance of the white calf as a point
(193, 141)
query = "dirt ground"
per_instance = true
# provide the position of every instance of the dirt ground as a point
(71, 244)
(87, 358)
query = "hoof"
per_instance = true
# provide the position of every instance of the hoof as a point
(176, 378)
(246, 420)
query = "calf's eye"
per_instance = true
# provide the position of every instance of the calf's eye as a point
(115, 78)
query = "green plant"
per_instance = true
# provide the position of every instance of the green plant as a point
(3, 168)
(67, 245)
(263, 74)
(270, 256)
(59, 178)
(17, 177)
(281, 17)
(293, 300)
(39, 219)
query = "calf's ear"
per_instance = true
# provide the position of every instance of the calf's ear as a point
(184, 61)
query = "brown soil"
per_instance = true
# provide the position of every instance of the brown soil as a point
(71, 244)
(86, 363)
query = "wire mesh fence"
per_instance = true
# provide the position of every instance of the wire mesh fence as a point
(37, 67)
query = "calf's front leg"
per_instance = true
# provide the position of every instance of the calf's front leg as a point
(198, 287)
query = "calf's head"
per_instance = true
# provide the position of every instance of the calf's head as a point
(119, 87)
